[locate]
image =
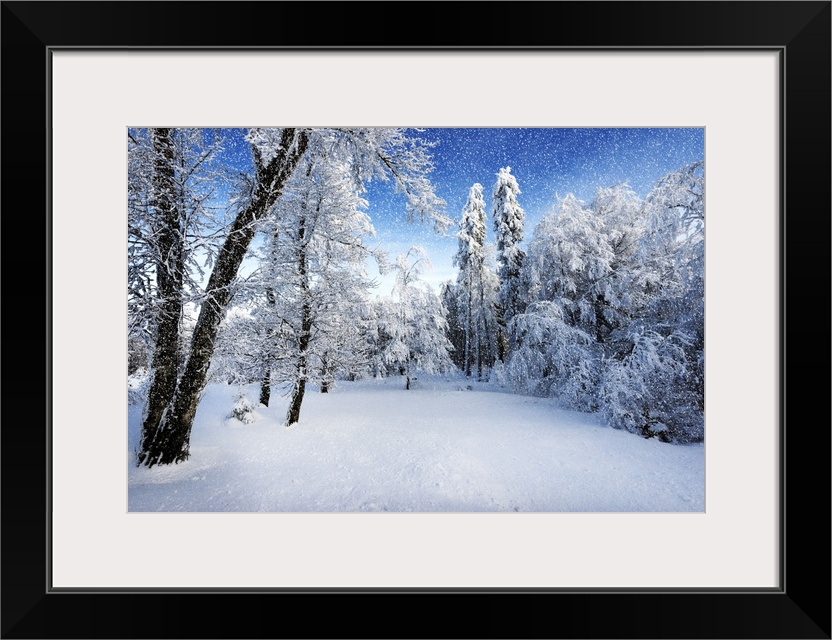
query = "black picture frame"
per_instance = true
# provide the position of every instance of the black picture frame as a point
(799, 608)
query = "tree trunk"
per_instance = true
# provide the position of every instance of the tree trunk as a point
(266, 387)
(169, 269)
(168, 440)
(266, 381)
(325, 373)
(468, 325)
(480, 318)
(293, 415)
(487, 344)
(602, 326)
(502, 337)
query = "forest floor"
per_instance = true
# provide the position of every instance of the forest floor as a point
(447, 445)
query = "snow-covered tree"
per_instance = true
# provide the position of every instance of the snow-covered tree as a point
(414, 322)
(674, 246)
(509, 218)
(141, 248)
(648, 391)
(654, 384)
(313, 276)
(171, 181)
(451, 296)
(549, 357)
(156, 258)
(621, 212)
(618, 318)
(570, 262)
(486, 314)
(238, 357)
(470, 259)
(166, 428)
(243, 409)
(173, 175)
(277, 153)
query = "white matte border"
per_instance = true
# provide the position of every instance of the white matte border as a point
(96, 95)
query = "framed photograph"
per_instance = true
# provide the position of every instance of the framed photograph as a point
(753, 77)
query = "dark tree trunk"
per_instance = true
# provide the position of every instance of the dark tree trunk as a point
(266, 387)
(502, 337)
(293, 415)
(480, 321)
(266, 382)
(168, 441)
(469, 326)
(602, 325)
(169, 267)
(509, 302)
(325, 374)
(488, 353)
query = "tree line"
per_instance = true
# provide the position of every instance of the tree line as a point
(603, 310)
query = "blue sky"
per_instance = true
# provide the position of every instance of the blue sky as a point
(546, 162)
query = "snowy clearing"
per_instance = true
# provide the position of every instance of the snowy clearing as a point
(440, 447)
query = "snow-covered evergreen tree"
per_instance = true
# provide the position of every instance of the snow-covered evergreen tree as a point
(509, 218)
(243, 409)
(486, 314)
(452, 299)
(471, 281)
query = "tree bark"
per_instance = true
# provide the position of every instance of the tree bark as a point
(168, 440)
(480, 323)
(293, 415)
(266, 387)
(326, 372)
(266, 381)
(169, 274)
(469, 322)
(298, 391)
(502, 336)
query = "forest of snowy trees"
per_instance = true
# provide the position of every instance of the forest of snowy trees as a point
(254, 271)
(604, 310)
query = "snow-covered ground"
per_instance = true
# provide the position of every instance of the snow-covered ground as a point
(372, 446)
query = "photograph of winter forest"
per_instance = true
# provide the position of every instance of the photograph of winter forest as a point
(416, 320)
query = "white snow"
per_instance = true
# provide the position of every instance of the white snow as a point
(440, 447)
